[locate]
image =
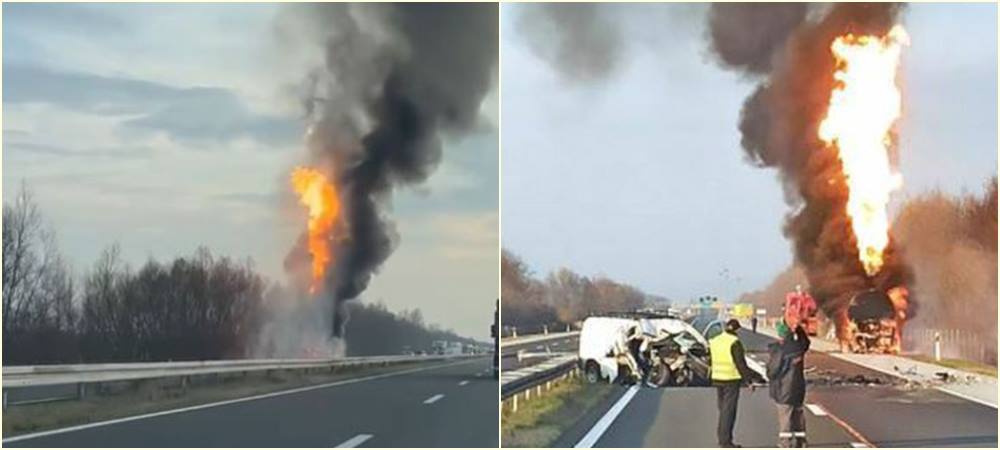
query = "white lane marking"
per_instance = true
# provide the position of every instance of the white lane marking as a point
(609, 417)
(463, 382)
(966, 397)
(858, 445)
(433, 399)
(227, 402)
(355, 441)
(816, 409)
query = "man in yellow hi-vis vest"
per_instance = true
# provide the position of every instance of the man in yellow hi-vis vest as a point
(729, 371)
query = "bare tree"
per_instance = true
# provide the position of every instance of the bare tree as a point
(38, 315)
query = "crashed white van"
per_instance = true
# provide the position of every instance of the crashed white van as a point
(603, 342)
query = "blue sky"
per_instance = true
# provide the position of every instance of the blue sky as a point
(639, 176)
(167, 126)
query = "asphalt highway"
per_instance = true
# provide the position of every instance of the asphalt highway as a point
(557, 344)
(446, 405)
(836, 416)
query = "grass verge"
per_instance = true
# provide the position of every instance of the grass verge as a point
(959, 364)
(540, 421)
(160, 395)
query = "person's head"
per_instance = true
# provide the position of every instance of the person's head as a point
(732, 325)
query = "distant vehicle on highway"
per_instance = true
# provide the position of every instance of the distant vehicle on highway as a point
(677, 351)
(447, 347)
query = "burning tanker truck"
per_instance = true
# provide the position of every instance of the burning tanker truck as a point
(824, 114)
(873, 322)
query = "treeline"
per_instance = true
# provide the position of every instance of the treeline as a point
(562, 297)
(374, 330)
(951, 243)
(199, 307)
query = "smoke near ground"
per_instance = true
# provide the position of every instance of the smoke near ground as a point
(951, 242)
(394, 79)
(786, 47)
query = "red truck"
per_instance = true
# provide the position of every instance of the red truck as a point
(800, 308)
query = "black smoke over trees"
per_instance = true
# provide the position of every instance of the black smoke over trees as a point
(562, 297)
(197, 307)
(786, 47)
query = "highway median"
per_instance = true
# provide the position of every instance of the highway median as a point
(540, 420)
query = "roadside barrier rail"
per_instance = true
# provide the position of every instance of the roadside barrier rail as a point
(82, 375)
(536, 378)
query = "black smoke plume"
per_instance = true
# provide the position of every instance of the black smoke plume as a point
(787, 48)
(581, 41)
(395, 78)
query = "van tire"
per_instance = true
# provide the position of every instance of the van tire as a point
(592, 372)
(661, 375)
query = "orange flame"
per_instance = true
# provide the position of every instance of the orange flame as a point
(864, 105)
(318, 195)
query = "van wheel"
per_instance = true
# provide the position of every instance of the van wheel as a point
(660, 375)
(592, 372)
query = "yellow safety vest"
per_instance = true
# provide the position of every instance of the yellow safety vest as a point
(723, 367)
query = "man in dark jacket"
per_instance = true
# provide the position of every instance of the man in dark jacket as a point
(786, 372)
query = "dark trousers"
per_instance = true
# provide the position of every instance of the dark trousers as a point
(728, 397)
(791, 426)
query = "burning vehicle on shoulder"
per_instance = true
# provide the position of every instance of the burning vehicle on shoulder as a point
(613, 348)
(875, 321)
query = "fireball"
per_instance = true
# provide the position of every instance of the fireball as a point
(319, 196)
(865, 104)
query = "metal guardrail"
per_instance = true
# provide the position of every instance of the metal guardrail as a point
(506, 345)
(44, 375)
(522, 380)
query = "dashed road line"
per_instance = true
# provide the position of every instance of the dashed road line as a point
(816, 409)
(463, 382)
(433, 399)
(355, 441)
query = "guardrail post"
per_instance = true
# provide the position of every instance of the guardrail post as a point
(81, 391)
(4, 399)
(513, 404)
(545, 329)
(513, 331)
